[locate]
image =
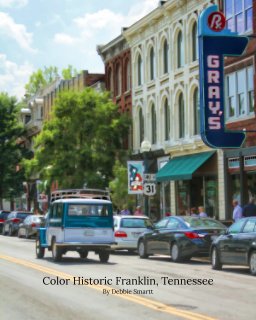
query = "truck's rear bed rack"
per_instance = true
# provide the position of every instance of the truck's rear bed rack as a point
(80, 193)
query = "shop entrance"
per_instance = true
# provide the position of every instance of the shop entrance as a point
(200, 191)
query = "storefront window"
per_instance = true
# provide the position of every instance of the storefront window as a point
(200, 191)
(211, 197)
(183, 198)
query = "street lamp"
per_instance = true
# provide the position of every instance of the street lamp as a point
(145, 148)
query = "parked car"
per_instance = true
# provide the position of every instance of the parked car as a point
(3, 217)
(181, 237)
(30, 225)
(127, 229)
(237, 246)
(12, 222)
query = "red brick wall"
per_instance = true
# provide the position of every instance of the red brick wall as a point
(124, 100)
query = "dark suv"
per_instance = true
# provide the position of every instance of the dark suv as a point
(11, 224)
(3, 216)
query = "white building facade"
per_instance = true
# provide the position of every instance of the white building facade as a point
(165, 111)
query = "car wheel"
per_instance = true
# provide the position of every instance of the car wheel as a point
(83, 254)
(252, 263)
(27, 235)
(39, 250)
(56, 251)
(3, 231)
(216, 264)
(10, 231)
(19, 235)
(142, 250)
(104, 256)
(175, 253)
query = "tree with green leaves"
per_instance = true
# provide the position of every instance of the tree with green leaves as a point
(11, 149)
(69, 72)
(40, 78)
(79, 144)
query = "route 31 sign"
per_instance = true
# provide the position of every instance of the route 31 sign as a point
(149, 188)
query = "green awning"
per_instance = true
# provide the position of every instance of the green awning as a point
(182, 168)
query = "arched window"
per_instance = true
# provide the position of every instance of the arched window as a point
(128, 76)
(180, 50)
(181, 117)
(141, 126)
(165, 57)
(110, 80)
(152, 64)
(166, 120)
(140, 70)
(194, 42)
(196, 108)
(153, 124)
(118, 80)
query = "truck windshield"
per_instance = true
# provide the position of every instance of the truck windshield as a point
(88, 210)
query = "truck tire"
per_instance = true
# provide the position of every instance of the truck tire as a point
(39, 250)
(56, 251)
(83, 254)
(104, 256)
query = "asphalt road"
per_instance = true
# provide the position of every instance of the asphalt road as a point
(87, 289)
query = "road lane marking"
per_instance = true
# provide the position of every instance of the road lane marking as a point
(133, 298)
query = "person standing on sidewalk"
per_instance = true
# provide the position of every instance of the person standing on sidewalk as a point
(202, 213)
(237, 212)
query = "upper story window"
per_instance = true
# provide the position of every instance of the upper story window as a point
(118, 80)
(181, 117)
(165, 56)
(152, 64)
(128, 75)
(239, 15)
(196, 108)
(141, 126)
(110, 80)
(240, 93)
(139, 70)
(153, 124)
(194, 42)
(166, 120)
(180, 50)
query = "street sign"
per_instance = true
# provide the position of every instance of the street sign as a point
(149, 188)
(216, 42)
(149, 177)
(216, 21)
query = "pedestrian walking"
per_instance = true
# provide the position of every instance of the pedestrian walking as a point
(249, 210)
(238, 211)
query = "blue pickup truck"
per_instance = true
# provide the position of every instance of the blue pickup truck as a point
(77, 224)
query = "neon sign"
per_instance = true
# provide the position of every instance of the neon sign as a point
(215, 42)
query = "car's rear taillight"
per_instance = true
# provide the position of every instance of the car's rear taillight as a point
(191, 235)
(16, 220)
(33, 225)
(120, 234)
(1, 220)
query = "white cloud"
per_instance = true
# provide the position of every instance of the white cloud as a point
(13, 3)
(63, 38)
(16, 31)
(99, 20)
(105, 22)
(13, 76)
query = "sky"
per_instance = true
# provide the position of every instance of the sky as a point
(40, 33)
